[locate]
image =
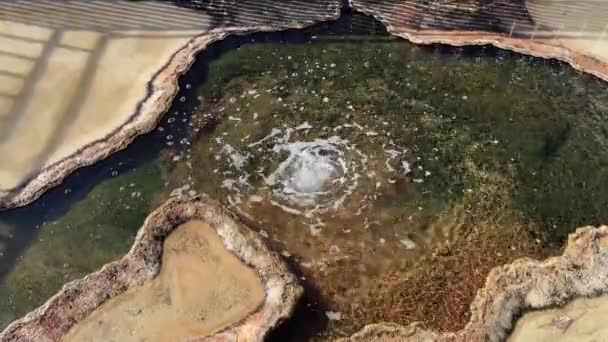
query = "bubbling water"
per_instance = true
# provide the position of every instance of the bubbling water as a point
(309, 172)
(314, 174)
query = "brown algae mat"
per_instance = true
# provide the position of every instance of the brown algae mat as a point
(522, 285)
(217, 281)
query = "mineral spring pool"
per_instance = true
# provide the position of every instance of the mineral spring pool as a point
(391, 177)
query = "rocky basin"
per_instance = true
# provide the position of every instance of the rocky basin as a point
(193, 273)
(191, 230)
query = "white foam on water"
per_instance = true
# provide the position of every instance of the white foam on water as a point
(406, 167)
(237, 158)
(408, 243)
(308, 171)
(314, 175)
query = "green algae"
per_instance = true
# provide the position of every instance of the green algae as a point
(510, 144)
(541, 124)
(97, 230)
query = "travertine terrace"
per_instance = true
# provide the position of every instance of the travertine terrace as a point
(525, 284)
(582, 320)
(202, 247)
(542, 28)
(80, 82)
(201, 288)
(73, 80)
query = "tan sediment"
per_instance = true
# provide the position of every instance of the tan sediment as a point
(582, 320)
(92, 137)
(201, 288)
(129, 84)
(511, 289)
(580, 27)
(223, 283)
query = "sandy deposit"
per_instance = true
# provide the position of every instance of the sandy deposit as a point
(218, 281)
(580, 27)
(582, 320)
(201, 288)
(70, 81)
(80, 80)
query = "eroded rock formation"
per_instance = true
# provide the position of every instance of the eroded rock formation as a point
(240, 290)
(530, 27)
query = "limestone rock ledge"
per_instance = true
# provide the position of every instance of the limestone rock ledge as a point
(80, 298)
(582, 271)
(161, 92)
(472, 22)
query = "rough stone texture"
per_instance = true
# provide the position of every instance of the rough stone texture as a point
(201, 288)
(25, 175)
(582, 271)
(79, 298)
(506, 24)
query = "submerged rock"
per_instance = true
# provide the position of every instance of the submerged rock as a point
(192, 273)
